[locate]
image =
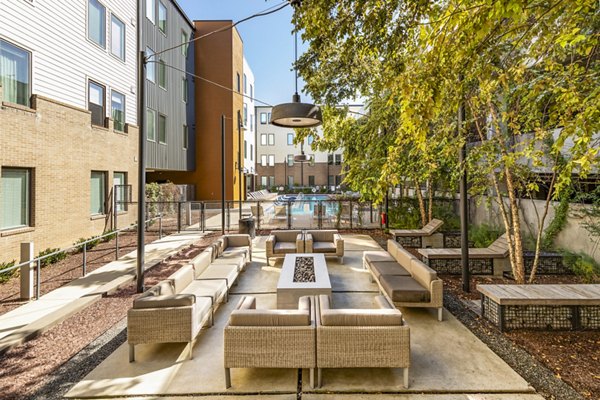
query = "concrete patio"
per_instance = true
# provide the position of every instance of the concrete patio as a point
(447, 361)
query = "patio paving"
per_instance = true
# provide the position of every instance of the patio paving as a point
(446, 357)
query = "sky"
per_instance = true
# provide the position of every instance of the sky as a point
(268, 42)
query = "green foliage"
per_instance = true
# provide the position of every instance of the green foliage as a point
(557, 224)
(110, 234)
(405, 214)
(483, 235)
(5, 276)
(583, 266)
(61, 255)
(94, 241)
(591, 212)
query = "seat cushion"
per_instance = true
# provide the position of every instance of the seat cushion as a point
(230, 272)
(324, 247)
(239, 262)
(284, 247)
(371, 256)
(214, 289)
(237, 251)
(387, 268)
(203, 308)
(404, 289)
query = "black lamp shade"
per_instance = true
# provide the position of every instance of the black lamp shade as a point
(296, 115)
(302, 158)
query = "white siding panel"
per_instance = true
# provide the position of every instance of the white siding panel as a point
(62, 56)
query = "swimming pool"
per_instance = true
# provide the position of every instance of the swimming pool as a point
(306, 203)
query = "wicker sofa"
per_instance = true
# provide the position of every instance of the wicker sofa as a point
(176, 309)
(356, 338)
(280, 243)
(255, 338)
(403, 279)
(328, 242)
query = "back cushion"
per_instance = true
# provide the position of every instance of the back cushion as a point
(164, 288)
(404, 258)
(322, 236)
(269, 318)
(285, 236)
(358, 317)
(392, 247)
(182, 277)
(422, 273)
(201, 262)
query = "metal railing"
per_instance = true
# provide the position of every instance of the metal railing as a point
(84, 248)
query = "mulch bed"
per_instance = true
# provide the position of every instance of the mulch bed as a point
(27, 368)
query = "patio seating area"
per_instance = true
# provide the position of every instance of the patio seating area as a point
(163, 369)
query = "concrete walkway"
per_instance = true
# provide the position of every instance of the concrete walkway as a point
(448, 361)
(33, 318)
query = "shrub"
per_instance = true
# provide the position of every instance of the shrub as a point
(5, 276)
(109, 235)
(79, 243)
(61, 255)
(483, 235)
(583, 266)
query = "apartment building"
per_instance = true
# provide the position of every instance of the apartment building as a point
(68, 130)
(275, 151)
(249, 121)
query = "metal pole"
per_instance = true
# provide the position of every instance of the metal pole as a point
(141, 215)
(178, 216)
(464, 206)
(223, 174)
(239, 115)
(84, 258)
(38, 279)
(160, 227)
(117, 246)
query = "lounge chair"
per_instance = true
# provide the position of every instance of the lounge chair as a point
(280, 243)
(424, 237)
(328, 242)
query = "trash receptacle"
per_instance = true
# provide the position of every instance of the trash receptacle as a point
(247, 226)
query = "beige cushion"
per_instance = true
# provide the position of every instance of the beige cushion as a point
(237, 252)
(237, 240)
(304, 303)
(404, 289)
(182, 277)
(177, 300)
(239, 262)
(392, 247)
(324, 247)
(404, 257)
(201, 262)
(285, 247)
(422, 273)
(382, 302)
(371, 256)
(214, 289)
(432, 226)
(285, 236)
(323, 235)
(358, 317)
(230, 272)
(387, 268)
(324, 302)
(269, 318)
(163, 288)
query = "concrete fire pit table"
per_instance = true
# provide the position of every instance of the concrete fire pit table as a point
(302, 275)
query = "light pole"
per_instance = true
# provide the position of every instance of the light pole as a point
(141, 215)
(239, 117)
(223, 174)
(464, 205)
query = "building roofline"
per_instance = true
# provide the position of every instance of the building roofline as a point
(188, 20)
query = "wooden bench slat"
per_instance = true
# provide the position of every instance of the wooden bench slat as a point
(542, 294)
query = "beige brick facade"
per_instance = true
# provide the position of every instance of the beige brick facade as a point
(60, 147)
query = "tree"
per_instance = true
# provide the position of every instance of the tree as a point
(530, 83)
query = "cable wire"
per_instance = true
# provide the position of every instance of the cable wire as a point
(270, 10)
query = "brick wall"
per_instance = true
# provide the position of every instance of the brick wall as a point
(60, 146)
(280, 171)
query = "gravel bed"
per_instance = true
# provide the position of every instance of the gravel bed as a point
(534, 372)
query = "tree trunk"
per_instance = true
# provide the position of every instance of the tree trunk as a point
(517, 244)
(538, 239)
(430, 198)
(421, 203)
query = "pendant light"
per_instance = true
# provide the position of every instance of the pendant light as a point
(296, 114)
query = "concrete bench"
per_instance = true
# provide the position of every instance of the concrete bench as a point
(541, 307)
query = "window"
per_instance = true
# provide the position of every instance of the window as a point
(263, 118)
(338, 180)
(238, 82)
(150, 124)
(245, 84)
(271, 160)
(263, 139)
(184, 39)
(151, 65)
(98, 193)
(271, 181)
(263, 160)
(16, 197)
(251, 92)
(150, 12)
(184, 89)
(117, 37)
(329, 159)
(263, 181)
(311, 180)
(162, 129)
(312, 160)
(120, 190)
(338, 159)
(251, 151)
(290, 139)
(310, 139)
(245, 114)
(96, 103)
(290, 180)
(245, 148)
(251, 122)
(162, 74)
(271, 139)
(97, 23)
(162, 17)
(290, 160)
(15, 69)
(117, 105)
(185, 137)
(330, 180)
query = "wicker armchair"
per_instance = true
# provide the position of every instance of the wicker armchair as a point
(270, 338)
(328, 242)
(280, 243)
(356, 338)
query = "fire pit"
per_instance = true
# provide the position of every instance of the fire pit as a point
(302, 275)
